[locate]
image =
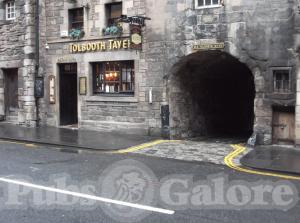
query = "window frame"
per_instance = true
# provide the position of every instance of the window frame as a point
(10, 7)
(208, 6)
(289, 74)
(129, 65)
(108, 12)
(71, 22)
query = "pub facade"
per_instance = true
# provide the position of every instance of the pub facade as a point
(180, 69)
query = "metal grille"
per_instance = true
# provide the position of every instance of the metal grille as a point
(281, 80)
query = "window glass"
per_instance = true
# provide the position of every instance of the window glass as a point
(114, 77)
(204, 3)
(10, 10)
(76, 18)
(113, 12)
(281, 80)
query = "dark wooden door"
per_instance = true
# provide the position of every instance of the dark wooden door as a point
(68, 94)
(283, 126)
(11, 90)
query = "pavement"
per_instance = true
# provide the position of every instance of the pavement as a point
(83, 139)
(273, 158)
(204, 149)
(47, 167)
(210, 150)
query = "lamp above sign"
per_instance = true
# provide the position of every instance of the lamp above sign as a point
(138, 20)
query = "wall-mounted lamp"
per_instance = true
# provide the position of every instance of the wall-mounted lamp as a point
(86, 5)
(47, 46)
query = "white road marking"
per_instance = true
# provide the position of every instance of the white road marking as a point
(34, 169)
(91, 197)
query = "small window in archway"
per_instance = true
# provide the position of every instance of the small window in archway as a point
(281, 80)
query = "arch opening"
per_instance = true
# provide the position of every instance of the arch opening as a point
(211, 94)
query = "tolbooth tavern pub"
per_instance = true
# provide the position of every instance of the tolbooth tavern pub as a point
(176, 69)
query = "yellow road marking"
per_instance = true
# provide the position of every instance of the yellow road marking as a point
(144, 146)
(19, 143)
(239, 150)
(30, 145)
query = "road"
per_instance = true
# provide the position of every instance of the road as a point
(30, 177)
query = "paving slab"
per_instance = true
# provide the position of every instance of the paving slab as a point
(84, 139)
(273, 158)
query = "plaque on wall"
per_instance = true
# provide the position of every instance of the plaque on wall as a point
(52, 89)
(82, 86)
(209, 46)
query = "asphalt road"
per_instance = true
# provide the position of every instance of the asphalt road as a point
(130, 178)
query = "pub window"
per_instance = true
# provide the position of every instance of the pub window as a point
(208, 3)
(115, 77)
(281, 79)
(10, 10)
(76, 18)
(113, 12)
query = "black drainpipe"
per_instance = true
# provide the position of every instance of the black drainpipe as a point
(37, 56)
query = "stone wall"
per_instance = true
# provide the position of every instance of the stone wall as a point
(17, 51)
(258, 33)
(99, 112)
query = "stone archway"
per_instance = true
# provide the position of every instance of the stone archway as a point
(211, 93)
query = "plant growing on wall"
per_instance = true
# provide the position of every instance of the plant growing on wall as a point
(113, 30)
(76, 33)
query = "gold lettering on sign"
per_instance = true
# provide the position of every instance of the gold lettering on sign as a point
(209, 46)
(100, 46)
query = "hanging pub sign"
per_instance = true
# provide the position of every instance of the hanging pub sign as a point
(135, 37)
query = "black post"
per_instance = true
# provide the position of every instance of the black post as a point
(165, 121)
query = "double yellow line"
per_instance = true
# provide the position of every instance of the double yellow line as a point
(238, 150)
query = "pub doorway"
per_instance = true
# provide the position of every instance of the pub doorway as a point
(68, 99)
(11, 93)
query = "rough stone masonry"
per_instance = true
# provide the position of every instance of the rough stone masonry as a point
(261, 35)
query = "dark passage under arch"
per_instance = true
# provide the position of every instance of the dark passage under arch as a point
(211, 94)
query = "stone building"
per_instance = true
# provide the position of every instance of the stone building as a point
(17, 62)
(206, 67)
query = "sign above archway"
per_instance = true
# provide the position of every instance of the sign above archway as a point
(209, 46)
